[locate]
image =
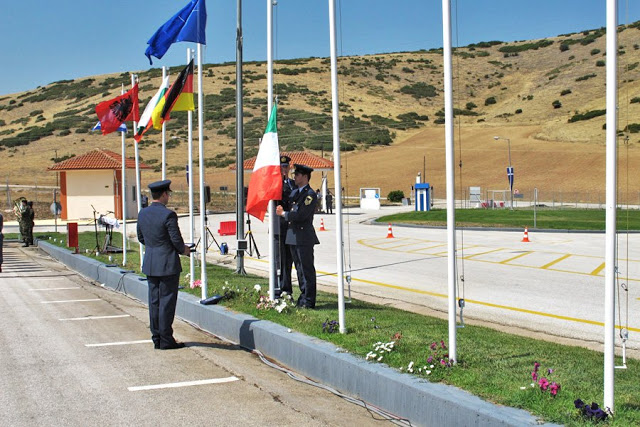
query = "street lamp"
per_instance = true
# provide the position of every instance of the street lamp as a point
(510, 176)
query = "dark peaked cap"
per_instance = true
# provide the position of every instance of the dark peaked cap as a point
(160, 186)
(285, 160)
(303, 169)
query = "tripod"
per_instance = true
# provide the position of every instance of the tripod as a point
(207, 235)
(248, 236)
(95, 225)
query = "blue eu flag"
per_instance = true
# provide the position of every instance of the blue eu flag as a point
(510, 177)
(188, 25)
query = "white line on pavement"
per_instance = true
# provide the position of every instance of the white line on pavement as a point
(118, 343)
(70, 300)
(54, 289)
(183, 384)
(96, 317)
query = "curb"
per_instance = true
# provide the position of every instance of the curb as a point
(418, 400)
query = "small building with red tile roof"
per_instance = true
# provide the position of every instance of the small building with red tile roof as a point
(94, 180)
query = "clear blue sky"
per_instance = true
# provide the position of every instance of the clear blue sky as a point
(45, 41)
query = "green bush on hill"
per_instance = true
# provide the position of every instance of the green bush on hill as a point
(419, 90)
(588, 115)
(526, 46)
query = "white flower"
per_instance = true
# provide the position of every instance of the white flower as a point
(427, 372)
(380, 359)
(257, 288)
(289, 330)
(431, 366)
(523, 388)
(410, 365)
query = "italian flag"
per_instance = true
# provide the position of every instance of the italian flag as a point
(266, 180)
(146, 120)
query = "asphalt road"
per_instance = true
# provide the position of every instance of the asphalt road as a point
(74, 353)
(551, 287)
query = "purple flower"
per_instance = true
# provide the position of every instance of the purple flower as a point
(536, 366)
(442, 345)
(430, 359)
(549, 371)
(433, 346)
(534, 375)
(579, 404)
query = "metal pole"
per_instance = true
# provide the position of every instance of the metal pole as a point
(271, 209)
(336, 164)
(535, 204)
(611, 182)
(192, 257)
(239, 143)
(510, 168)
(203, 207)
(124, 199)
(164, 136)
(138, 190)
(450, 174)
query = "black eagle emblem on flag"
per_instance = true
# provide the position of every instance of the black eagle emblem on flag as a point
(121, 108)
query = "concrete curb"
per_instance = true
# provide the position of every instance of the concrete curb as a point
(422, 402)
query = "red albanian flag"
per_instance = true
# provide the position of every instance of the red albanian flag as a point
(114, 112)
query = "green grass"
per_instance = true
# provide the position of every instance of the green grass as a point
(562, 219)
(491, 364)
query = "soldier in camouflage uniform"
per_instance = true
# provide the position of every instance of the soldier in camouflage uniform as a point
(23, 220)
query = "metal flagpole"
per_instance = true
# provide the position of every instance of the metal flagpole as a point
(164, 136)
(611, 202)
(192, 257)
(239, 144)
(272, 217)
(203, 207)
(138, 192)
(336, 163)
(124, 197)
(450, 159)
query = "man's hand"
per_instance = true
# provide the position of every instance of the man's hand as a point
(279, 210)
(188, 249)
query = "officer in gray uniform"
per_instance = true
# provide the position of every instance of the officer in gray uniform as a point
(158, 230)
(301, 235)
(284, 260)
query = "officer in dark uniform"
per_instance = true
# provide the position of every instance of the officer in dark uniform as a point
(284, 260)
(301, 234)
(158, 230)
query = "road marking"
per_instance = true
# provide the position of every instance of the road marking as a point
(70, 300)
(544, 267)
(488, 304)
(53, 289)
(105, 344)
(96, 317)
(598, 270)
(483, 253)
(506, 261)
(183, 384)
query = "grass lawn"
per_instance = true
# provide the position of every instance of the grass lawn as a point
(557, 219)
(491, 364)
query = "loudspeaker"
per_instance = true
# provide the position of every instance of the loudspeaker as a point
(207, 194)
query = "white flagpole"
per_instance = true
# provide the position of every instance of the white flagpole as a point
(336, 164)
(190, 174)
(272, 216)
(124, 197)
(164, 136)
(450, 159)
(611, 202)
(203, 231)
(138, 191)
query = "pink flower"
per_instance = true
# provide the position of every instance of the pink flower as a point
(433, 346)
(554, 388)
(442, 345)
(536, 365)
(543, 383)
(534, 375)
(549, 371)
(196, 284)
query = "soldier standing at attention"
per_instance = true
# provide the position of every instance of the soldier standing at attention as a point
(301, 234)
(31, 223)
(158, 230)
(284, 260)
(23, 220)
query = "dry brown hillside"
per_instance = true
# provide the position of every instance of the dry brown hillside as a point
(391, 122)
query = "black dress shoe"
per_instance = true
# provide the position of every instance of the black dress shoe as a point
(173, 346)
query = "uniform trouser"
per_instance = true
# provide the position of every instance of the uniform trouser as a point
(303, 259)
(23, 232)
(1, 244)
(163, 294)
(30, 234)
(284, 262)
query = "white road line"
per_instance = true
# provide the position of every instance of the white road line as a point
(70, 300)
(96, 317)
(118, 343)
(53, 289)
(183, 384)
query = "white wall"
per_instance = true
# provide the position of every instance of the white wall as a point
(92, 187)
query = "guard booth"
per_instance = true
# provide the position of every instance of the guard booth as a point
(370, 198)
(423, 196)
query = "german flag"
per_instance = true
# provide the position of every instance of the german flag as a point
(179, 97)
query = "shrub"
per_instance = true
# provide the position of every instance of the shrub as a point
(600, 63)
(526, 46)
(585, 77)
(395, 196)
(632, 128)
(588, 115)
(419, 90)
(519, 111)
(595, 51)
(470, 106)
(490, 100)
(556, 104)
(564, 47)
(634, 100)
(565, 92)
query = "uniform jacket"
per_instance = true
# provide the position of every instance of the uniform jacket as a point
(300, 217)
(158, 230)
(288, 185)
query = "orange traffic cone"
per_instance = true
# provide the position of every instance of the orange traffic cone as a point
(526, 235)
(390, 232)
(322, 225)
